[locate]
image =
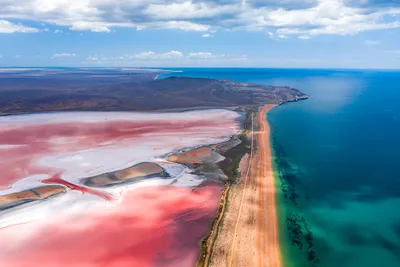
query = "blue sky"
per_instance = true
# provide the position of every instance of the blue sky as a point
(234, 33)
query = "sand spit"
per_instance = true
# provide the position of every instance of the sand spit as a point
(141, 171)
(267, 220)
(38, 193)
(247, 235)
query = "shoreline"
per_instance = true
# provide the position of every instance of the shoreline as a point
(206, 249)
(245, 229)
(268, 237)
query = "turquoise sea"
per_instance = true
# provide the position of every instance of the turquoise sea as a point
(337, 160)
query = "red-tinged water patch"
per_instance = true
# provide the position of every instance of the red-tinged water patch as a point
(151, 226)
(56, 179)
(23, 145)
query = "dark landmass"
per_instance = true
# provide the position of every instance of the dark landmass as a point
(124, 90)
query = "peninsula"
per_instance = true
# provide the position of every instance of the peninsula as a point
(39, 90)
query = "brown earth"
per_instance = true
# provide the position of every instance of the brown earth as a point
(248, 234)
(33, 194)
(139, 171)
(196, 156)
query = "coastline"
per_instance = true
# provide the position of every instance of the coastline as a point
(267, 226)
(245, 230)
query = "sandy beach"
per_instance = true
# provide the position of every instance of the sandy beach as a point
(267, 221)
(248, 234)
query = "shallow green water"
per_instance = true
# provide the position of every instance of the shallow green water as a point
(337, 158)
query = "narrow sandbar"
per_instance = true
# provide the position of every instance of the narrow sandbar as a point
(267, 221)
(248, 234)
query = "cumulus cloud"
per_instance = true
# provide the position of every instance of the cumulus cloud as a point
(189, 10)
(282, 18)
(63, 55)
(8, 27)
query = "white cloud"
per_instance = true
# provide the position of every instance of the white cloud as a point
(171, 58)
(188, 10)
(371, 42)
(207, 35)
(181, 25)
(304, 37)
(152, 55)
(98, 58)
(272, 35)
(8, 27)
(58, 31)
(63, 55)
(276, 36)
(149, 54)
(203, 55)
(288, 17)
(92, 26)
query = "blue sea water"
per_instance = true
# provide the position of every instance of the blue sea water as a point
(337, 161)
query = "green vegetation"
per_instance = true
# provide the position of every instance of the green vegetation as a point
(205, 242)
(231, 164)
(230, 167)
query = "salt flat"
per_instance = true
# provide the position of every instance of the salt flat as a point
(63, 149)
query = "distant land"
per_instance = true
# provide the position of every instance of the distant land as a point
(37, 90)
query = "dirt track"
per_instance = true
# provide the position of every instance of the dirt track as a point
(248, 235)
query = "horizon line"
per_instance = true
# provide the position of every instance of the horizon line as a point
(192, 67)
